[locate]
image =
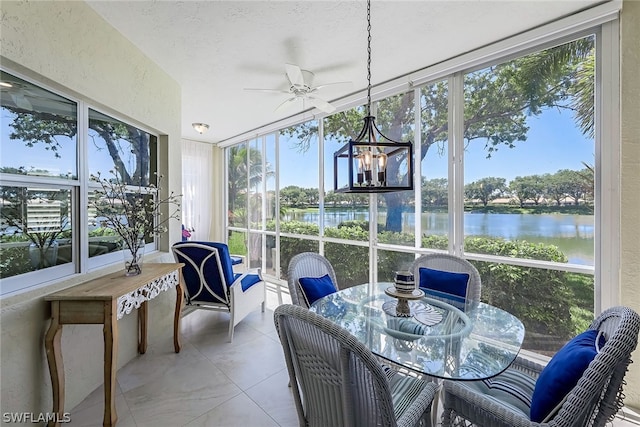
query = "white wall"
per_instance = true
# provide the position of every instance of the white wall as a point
(73, 49)
(630, 172)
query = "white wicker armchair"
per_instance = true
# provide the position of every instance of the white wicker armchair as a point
(594, 401)
(338, 381)
(453, 264)
(307, 264)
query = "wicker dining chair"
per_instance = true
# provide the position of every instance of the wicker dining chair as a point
(303, 265)
(337, 380)
(451, 264)
(593, 401)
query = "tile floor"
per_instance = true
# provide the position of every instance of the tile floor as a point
(210, 382)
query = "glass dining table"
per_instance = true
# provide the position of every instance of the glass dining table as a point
(440, 336)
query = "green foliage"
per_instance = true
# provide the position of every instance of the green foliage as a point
(290, 246)
(236, 243)
(14, 260)
(350, 262)
(485, 189)
(541, 298)
(435, 192)
(359, 223)
(552, 304)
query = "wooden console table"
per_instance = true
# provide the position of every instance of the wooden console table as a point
(103, 301)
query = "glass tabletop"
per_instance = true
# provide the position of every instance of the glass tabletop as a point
(439, 337)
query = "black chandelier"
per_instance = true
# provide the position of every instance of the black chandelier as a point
(373, 162)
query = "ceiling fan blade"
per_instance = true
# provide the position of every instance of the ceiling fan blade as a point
(332, 84)
(285, 104)
(294, 73)
(265, 90)
(21, 101)
(321, 104)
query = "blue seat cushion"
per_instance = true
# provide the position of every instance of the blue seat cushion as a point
(562, 373)
(248, 281)
(314, 288)
(444, 283)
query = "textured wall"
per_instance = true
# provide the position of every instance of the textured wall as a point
(74, 49)
(630, 171)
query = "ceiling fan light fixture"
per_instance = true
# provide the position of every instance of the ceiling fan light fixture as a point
(373, 162)
(200, 127)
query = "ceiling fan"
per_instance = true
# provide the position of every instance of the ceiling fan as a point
(301, 87)
(17, 94)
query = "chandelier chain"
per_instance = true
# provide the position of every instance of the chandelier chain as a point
(369, 57)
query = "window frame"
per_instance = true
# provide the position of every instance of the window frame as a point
(601, 21)
(79, 189)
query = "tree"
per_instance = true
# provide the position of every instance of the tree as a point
(40, 215)
(498, 100)
(526, 188)
(126, 144)
(485, 189)
(244, 172)
(297, 197)
(435, 192)
(572, 184)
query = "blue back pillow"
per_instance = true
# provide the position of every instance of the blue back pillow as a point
(562, 373)
(314, 288)
(444, 282)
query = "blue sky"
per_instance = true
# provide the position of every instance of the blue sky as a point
(14, 153)
(553, 143)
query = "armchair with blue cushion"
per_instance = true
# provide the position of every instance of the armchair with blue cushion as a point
(582, 385)
(210, 282)
(310, 276)
(448, 277)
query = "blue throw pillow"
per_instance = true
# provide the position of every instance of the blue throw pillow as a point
(445, 282)
(314, 288)
(562, 373)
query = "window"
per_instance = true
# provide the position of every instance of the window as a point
(299, 179)
(434, 170)
(346, 215)
(529, 153)
(118, 146)
(39, 173)
(44, 153)
(115, 146)
(506, 152)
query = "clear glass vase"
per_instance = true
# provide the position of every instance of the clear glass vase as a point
(133, 253)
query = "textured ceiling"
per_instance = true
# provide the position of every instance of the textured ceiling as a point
(215, 49)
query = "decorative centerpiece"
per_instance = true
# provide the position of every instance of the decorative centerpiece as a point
(404, 281)
(403, 290)
(134, 213)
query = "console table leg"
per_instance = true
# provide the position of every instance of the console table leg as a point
(110, 362)
(143, 316)
(177, 345)
(54, 358)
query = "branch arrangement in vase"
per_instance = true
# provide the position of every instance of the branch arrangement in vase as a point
(133, 212)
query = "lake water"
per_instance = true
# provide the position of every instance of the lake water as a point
(572, 234)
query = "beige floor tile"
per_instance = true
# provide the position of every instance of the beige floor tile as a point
(181, 395)
(275, 397)
(211, 382)
(239, 411)
(92, 415)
